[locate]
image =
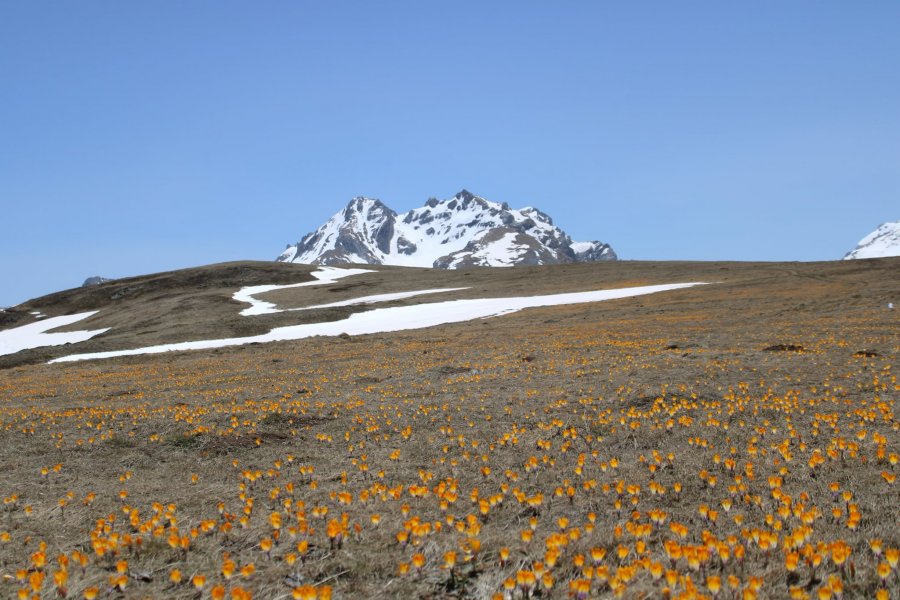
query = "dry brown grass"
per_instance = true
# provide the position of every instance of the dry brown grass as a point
(577, 424)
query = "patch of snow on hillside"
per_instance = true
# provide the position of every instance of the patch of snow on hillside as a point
(324, 276)
(377, 298)
(502, 252)
(34, 335)
(400, 318)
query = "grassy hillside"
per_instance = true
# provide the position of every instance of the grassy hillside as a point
(733, 440)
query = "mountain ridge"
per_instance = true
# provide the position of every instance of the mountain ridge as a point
(463, 231)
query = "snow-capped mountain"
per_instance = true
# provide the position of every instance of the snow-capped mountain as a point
(884, 241)
(464, 231)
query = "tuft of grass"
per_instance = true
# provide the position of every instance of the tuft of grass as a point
(184, 441)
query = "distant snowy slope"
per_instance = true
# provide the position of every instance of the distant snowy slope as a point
(463, 231)
(884, 241)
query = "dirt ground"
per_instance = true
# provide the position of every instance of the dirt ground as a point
(733, 440)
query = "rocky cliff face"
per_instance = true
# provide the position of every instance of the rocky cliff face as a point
(463, 231)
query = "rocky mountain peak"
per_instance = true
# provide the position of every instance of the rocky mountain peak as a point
(464, 194)
(462, 231)
(364, 205)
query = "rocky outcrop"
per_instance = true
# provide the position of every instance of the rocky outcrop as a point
(95, 280)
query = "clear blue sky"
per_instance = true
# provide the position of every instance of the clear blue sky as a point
(143, 136)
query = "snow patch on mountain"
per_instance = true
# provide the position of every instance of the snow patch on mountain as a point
(398, 318)
(593, 251)
(463, 231)
(323, 276)
(376, 298)
(884, 241)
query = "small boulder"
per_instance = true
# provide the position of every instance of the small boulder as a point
(784, 348)
(95, 280)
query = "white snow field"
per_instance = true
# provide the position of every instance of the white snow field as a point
(401, 318)
(503, 252)
(377, 298)
(324, 276)
(34, 335)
